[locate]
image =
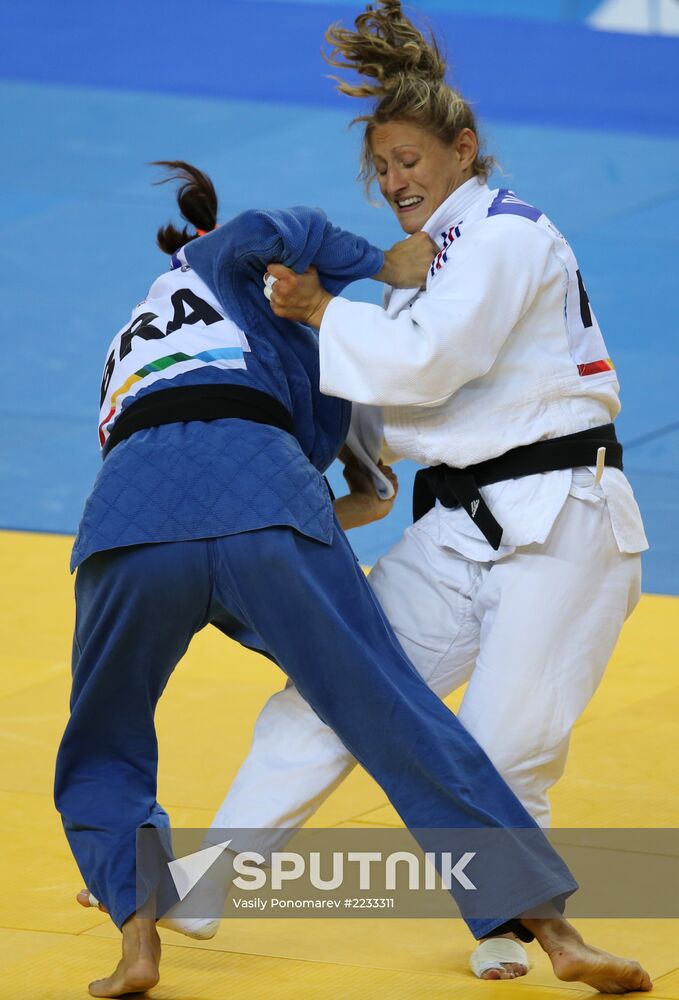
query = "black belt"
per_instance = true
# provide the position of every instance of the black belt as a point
(198, 402)
(460, 487)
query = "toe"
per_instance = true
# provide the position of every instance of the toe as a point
(501, 972)
(86, 899)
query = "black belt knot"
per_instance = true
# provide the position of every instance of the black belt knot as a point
(460, 487)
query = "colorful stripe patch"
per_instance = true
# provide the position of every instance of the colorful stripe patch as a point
(218, 354)
(596, 367)
(441, 257)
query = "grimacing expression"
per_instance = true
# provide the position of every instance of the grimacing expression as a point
(416, 172)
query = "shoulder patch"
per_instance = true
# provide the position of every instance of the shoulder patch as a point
(507, 203)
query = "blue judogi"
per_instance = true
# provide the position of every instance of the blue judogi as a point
(229, 523)
(241, 475)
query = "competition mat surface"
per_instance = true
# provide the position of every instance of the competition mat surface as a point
(585, 122)
(621, 773)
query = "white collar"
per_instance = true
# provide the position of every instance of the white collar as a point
(456, 206)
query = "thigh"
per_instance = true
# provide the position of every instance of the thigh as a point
(306, 603)
(136, 611)
(550, 616)
(427, 593)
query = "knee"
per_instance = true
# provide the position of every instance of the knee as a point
(521, 751)
(528, 765)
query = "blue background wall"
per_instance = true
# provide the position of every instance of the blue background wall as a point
(585, 124)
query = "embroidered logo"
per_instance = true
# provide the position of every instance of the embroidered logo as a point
(441, 257)
(475, 507)
(511, 199)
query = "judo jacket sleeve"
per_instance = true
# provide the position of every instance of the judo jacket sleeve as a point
(451, 334)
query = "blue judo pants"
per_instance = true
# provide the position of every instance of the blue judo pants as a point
(310, 607)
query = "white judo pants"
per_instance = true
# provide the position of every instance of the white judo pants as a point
(531, 634)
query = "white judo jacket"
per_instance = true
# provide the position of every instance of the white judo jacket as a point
(500, 349)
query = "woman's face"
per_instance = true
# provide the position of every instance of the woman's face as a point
(416, 171)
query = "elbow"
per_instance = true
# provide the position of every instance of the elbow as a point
(433, 384)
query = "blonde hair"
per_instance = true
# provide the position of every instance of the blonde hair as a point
(405, 75)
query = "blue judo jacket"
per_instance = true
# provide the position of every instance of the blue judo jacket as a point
(204, 479)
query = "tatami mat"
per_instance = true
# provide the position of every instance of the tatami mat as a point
(622, 772)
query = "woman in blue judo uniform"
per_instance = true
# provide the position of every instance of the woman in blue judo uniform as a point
(210, 508)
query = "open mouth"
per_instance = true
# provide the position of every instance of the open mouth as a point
(407, 204)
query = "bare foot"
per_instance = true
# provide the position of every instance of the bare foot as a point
(137, 970)
(86, 899)
(198, 928)
(505, 970)
(575, 961)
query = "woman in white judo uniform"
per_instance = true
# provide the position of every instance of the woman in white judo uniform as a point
(524, 563)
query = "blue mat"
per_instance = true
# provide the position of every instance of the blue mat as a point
(585, 124)
(518, 70)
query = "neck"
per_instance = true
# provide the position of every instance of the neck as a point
(455, 206)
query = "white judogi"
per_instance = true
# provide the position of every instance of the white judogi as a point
(500, 350)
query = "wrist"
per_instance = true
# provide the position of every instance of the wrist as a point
(356, 509)
(386, 273)
(316, 316)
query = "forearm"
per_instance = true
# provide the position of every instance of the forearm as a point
(357, 509)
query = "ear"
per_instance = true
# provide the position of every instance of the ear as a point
(467, 147)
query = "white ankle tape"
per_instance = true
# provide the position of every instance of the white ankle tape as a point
(491, 954)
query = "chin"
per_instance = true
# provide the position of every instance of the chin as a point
(412, 223)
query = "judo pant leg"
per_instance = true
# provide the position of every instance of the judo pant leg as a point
(316, 614)
(136, 611)
(296, 761)
(550, 617)
(293, 765)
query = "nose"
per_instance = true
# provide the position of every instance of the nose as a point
(395, 182)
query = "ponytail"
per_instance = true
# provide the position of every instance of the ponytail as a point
(403, 71)
(388, 51)
(197, 201)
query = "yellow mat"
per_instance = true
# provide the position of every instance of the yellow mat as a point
(622, 772)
